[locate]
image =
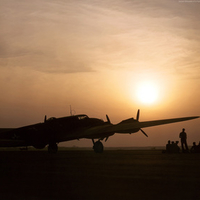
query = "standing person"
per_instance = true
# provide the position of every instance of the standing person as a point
(168, 147)
(183, 137)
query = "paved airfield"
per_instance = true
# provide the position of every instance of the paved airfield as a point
(83, 174)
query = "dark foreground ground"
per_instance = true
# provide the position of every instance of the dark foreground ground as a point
(82, 174)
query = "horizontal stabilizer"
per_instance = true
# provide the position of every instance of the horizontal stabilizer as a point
(3, 130)
(12, 143)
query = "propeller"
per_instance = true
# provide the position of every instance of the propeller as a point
(108, 120)
(45, 118)
(144, 132)
(138, 115)
(137, 118)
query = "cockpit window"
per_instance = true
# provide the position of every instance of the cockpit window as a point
(81, 117)
(51, 118)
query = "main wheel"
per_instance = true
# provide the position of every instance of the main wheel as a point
(98, 147)
(52, 148)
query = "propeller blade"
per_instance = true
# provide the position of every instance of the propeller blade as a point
(45, 118)
(106, 139)
(138, 114)
(144, 133)
(108, 120)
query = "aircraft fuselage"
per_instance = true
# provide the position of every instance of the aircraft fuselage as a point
(53, 129)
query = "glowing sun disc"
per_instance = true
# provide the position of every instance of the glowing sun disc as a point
(147, 93)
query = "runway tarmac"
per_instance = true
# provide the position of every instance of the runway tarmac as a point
(114, 174)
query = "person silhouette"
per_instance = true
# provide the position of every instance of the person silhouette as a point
(173, 147)
(168, 145)
(183, 137)
(198, 148)
(177, 148)
(194, 148)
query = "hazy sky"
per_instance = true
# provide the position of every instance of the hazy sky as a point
(93, 55)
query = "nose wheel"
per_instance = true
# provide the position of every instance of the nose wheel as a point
(98, 146)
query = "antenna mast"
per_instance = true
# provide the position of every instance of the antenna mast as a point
(70, 110)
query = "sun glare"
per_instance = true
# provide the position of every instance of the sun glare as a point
(147, 92)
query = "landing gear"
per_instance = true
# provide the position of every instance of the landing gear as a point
(98, 147)
(52, 148)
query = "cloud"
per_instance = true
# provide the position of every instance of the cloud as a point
(85, 36)
(34, 36)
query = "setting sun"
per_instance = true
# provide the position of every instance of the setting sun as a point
(101, 57)
(147, 93)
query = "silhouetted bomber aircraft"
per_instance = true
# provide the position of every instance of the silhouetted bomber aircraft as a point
(55, 130)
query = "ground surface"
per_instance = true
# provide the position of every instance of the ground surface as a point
(82, 174)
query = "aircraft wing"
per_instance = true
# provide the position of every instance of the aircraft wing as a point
(133, 125)
(164, 121)
(127, 126)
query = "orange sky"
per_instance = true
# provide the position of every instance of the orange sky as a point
(94, 55)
